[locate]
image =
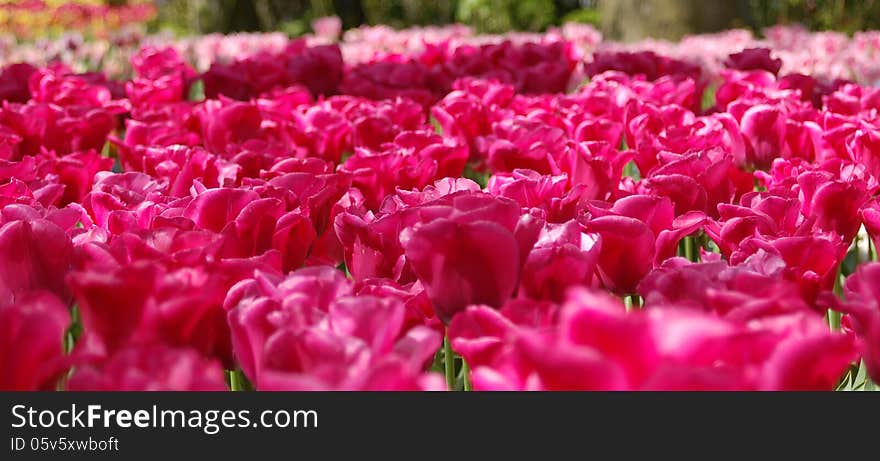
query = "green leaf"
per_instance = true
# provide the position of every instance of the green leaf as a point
(74, 330)
(237, 381)
(584, 16)
(344, 268)
(480, 178)
(708, 97)
(850, 261)
(712, 246)
(436, 125)
(197, 91)
(437, 364)
(631, 170)
(860, 379)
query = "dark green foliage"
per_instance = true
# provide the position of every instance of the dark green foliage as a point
(295, 16)
(842, 15)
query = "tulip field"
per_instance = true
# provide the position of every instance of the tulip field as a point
(435, 209)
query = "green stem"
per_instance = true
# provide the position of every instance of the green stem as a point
(857, 256)
(834, 316)
(238, 381)
(690, 249)
(68, 342)
(449, 363)
(633, 301)
(834, 319)
(73, 330)
(838, 286)
(466, 375)
(703, 241)
(234, 382)
(872, 250)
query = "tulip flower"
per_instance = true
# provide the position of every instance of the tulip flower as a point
(31, 346)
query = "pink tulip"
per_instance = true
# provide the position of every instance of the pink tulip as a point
(739, 292)
(863, 306)
(319, 68)
(698, 180)
(150, 368)
(472, 255)
(763, 128)
(31, 346)
(636, 232)
(36, 254)
(372, 241)
(329, 27)
(562, 257)
(14, 80)
(667, 349)
(647, 63)
(870, 215)
(412, 161)
(308, 332)
(754, 59)
(533, 190)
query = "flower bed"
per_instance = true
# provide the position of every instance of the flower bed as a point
(568, 213)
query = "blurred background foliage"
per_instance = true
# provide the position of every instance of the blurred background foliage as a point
(617, 19)
(842, 15)
(621, 19)
(292, 16)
